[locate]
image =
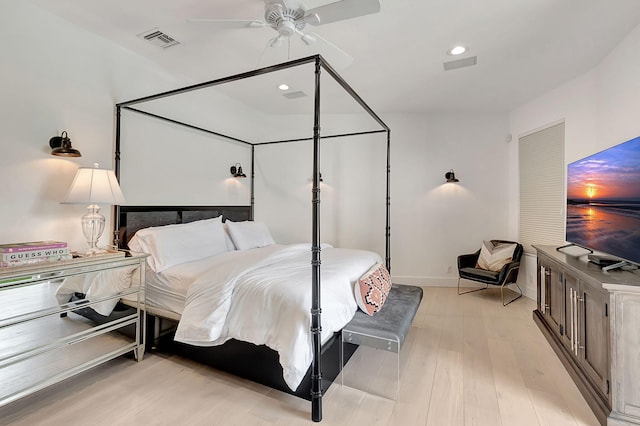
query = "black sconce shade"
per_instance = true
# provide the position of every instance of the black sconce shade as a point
(61, 146)
(236, 171)
(451, 176)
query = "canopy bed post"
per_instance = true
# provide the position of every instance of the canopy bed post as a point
(388, 226)
(253, 174)
(316, 323)
(116, 208)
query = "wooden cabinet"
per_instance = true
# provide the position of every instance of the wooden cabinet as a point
(41, 345)
(573, 312)
(554, 285)
(592, 343)
(570, 305)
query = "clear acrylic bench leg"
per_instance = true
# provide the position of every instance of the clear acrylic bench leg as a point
(374, 366)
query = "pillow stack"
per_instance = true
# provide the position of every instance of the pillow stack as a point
(172, 245)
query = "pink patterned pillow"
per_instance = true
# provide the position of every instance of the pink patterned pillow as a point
(372, 289)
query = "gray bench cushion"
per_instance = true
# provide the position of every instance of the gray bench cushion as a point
(394, 319)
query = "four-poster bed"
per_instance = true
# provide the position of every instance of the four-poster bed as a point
(129, 219)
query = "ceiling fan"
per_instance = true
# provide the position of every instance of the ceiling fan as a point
(290, 18)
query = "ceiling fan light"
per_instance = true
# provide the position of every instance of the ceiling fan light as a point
(312, 19)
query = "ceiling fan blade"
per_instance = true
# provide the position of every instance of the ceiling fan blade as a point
(337, 58)
(341, 10)
(230, 24)
(273, 53)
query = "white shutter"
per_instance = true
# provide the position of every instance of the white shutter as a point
(542, 180)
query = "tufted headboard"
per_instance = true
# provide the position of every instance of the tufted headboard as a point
(133, 218)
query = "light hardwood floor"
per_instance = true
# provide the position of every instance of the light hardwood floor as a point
(466, 361)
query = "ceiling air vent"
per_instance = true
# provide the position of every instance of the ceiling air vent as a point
(294, 95)
(158, 38)
(460, 63)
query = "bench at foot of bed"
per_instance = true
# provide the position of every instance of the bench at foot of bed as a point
(387, 329)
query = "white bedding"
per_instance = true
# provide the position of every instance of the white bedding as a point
(97, 284)
(262, 296)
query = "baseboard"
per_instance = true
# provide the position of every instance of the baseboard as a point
(530, 293)
(426, 281)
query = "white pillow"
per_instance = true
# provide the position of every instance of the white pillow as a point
(493, 256)
(172, 245)
(248, 234)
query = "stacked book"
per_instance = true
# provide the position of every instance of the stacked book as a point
(18, 254)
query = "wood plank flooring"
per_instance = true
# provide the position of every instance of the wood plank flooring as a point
(466, 361)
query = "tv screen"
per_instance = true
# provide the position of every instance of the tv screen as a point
(603, 201)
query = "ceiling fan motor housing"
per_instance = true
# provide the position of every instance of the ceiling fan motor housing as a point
(284, 20)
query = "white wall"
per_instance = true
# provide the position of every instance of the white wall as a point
(56, 77)
(432, 221)
(599, 108)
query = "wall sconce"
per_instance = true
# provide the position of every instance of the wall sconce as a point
(236, 171)
(451, 177)
(319, 178)
(61, 146)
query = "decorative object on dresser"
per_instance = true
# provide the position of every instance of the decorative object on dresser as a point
(16, 254)
(94, 186)
(590, 318)
(61, 146)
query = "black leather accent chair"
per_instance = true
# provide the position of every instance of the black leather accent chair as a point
(507, 275)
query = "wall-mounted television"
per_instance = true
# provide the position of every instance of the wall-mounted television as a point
(603, 201)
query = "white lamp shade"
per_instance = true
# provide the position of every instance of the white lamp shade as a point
(94, 186)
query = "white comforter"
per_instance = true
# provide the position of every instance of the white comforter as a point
(263, 296)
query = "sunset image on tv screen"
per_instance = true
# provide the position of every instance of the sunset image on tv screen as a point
(603, 201)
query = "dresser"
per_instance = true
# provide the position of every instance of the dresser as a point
(591, 319)
(43, 342)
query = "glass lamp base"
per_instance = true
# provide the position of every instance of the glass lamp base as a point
(92, 227)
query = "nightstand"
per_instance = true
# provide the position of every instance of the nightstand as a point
(40, 345)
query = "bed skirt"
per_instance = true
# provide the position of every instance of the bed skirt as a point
(260, 364)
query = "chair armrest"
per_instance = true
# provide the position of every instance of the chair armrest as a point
(468, 260)
(509, 271)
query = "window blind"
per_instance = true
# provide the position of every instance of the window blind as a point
(542, 180)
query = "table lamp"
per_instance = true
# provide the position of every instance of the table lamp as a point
(94, 186)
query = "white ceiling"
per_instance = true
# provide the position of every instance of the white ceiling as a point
(524, 47)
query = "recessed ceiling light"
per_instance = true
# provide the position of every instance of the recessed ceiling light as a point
(457, 50)
(283, 87)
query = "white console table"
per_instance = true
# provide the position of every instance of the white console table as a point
(40, 344)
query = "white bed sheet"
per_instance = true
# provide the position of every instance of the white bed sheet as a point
(263, 296)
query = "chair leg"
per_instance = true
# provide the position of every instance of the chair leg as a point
(471, 291)
(515, 298)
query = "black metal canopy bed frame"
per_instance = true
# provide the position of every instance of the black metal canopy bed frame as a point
(130, 218)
